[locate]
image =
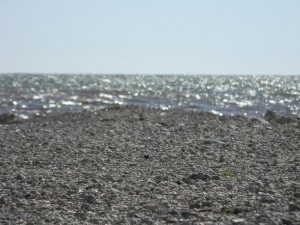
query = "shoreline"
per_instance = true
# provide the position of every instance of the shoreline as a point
(269, 116)
(141, 165)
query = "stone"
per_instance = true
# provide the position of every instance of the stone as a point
(90, 199)
(3, 200)
(267, 199)
(297, 194)
(199, 176)
(284, 120)
(6, 118)
(286, 221)
(238, 221)
(221, 159)
(270, 115)
(237, 210)
(293, 207)
(195, 205)
(172, 220)
(147, 221)
(81, 215)
(215, 177)
(207, 142)
(187, 215)
(20, 177)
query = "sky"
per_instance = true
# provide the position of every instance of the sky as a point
(150, 37)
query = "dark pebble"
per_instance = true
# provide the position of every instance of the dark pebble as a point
(221, 159)
(85, 206)
(20, 176)
(267, 199)
(91, 199)
(195, 205)
(237, 210)
(286, 221)
(173, 212)
(297, 194)
(270, 115)
(293, 207)
(215, 177)
(3, 200)
(81, 215)
(5, 118)
(206, 142)
(199, 176)
(188, 215)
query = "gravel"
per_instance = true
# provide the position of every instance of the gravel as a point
(133, 165)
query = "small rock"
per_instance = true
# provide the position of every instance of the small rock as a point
(215, 177)
(212, 141)
(28, 195)
(270, 115)
(172, 220)
(151, 207)
(199, 176)
(3, 200)
(206, 142)
(195, 205)
(238, 221)
(19, 203)
(147, 221)
(284, 120)
(188, 215)
(91, 199)
(81, 215)
(297, 194)
(286, 221)
(85, 206)
(6, 118)
(221, 159)
(293, 207)
(173, 212)
(267, 199)
(44, 193)
(146, 156)
(237, 210)
(20, 177)
(134, 221)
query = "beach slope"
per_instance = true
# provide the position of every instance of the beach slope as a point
(133, 165)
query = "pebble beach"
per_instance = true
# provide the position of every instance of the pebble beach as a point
(137, 165)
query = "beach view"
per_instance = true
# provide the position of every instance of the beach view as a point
(140, 112)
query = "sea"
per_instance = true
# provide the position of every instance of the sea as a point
(29, 95)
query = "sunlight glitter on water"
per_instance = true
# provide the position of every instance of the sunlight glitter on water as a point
(227, 95)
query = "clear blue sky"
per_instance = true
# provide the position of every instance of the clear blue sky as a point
(150, 36)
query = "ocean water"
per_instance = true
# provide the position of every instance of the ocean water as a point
(28, 95)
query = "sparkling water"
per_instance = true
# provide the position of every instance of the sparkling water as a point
(27, 95)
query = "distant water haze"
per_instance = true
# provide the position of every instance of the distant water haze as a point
(27, 95)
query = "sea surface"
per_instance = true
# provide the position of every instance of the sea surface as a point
(27, 95)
